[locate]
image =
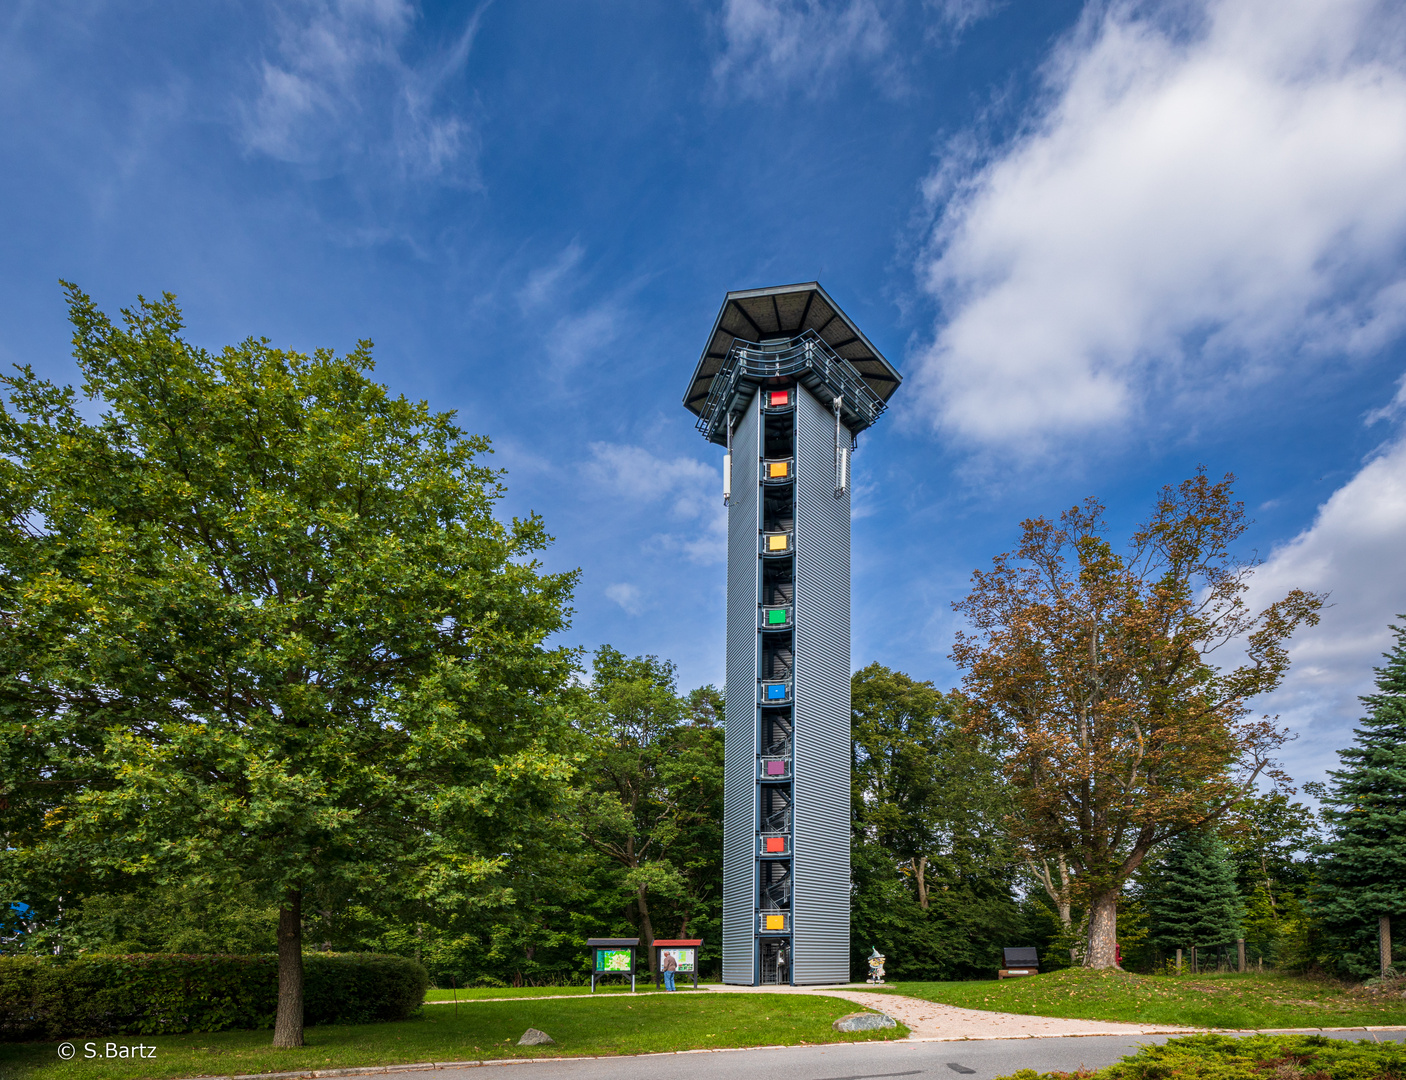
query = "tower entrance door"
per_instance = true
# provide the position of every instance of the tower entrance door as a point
(775, 961)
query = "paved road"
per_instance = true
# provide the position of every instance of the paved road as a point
(966, 1060)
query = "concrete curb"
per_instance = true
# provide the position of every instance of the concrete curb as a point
(430, 1066)
(427, 1066)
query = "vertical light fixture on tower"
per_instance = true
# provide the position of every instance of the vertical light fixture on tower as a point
(786, 382)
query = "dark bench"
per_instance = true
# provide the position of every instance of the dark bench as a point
(1019, 962)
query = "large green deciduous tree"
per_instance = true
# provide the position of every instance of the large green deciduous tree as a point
(933, 871)
(1362, 870)
(1095, 673)
(924, 789)
(261, 627)
(651, 785)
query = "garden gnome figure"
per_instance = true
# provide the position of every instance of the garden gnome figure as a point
(876, 967)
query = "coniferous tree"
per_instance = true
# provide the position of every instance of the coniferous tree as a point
(1191, 899)
(1362, 876)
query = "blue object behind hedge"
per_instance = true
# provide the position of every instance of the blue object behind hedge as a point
(49, 998)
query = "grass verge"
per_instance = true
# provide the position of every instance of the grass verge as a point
(1215, 1001)
(1258, 1057)
(481, 1031)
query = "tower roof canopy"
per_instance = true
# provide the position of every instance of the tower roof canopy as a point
(786, 311)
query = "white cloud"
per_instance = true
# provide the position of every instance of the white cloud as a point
(1394, 408)
(776, 44)
(627, 596)
(689, 492)
(546, 283)
(570, 336)
(337, 84)
(575, 338)
(1203, 200)
(1354, 551)
(956, 15)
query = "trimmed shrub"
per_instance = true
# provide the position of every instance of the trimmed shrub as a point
(157, 994)
(1253, 1057)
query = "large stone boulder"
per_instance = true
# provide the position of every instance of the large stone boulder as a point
(864, 1021)
(533, 1037)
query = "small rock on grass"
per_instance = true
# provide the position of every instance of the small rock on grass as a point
(533, 1037)
(864, 1021)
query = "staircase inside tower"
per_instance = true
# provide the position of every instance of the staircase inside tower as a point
(776, 733)
(776, 809)
(779, 435)
(775, 957)
(774, 885)
(775, 670)
(779, 509)
(777, 661)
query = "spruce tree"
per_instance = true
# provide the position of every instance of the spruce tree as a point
(1362, 875)
(1191, 897)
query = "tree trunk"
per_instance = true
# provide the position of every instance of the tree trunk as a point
(1384, 942)
(1103, 931)
(646, 927)
(288, 1022)
(920, 870)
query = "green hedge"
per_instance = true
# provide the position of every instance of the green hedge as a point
(1252, 1057)
(149, 994)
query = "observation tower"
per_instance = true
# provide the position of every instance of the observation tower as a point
(786, 383)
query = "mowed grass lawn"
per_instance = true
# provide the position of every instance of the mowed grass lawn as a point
(481, 1031)
(478, 993)
(1207, 1001)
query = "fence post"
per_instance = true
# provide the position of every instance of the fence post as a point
(1384, 942)
(1240, 948)
(1178, 961)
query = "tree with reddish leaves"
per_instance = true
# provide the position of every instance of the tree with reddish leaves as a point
(1094, 672)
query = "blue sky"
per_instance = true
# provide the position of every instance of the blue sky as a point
(1104, 243)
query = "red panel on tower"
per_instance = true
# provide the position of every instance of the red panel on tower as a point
(779, 397)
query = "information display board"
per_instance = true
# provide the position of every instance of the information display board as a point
(612, 956)
(684, 954)
(686, 959)
(618, 960)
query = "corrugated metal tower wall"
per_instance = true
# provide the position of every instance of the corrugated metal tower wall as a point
(740, 749)
(822, 712)
(787, 381)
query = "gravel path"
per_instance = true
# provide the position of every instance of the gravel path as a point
(932, 1022)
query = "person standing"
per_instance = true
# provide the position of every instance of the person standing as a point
(669, 966)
